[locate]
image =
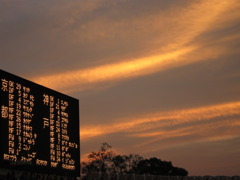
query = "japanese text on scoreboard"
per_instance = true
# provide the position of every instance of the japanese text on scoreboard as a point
(39, 126)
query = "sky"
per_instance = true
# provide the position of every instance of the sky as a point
(156, 78)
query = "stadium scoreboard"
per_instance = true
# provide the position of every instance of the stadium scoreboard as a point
(39, 128)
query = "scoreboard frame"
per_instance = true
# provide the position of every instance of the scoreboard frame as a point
(39, 128)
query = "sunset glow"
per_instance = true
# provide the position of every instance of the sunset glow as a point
(228, 114)
(111, 72)
(156, 78)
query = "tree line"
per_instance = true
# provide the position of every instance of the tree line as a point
(105, 160)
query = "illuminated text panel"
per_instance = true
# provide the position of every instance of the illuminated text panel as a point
(39, 127)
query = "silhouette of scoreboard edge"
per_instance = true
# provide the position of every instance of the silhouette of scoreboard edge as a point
(39, 128)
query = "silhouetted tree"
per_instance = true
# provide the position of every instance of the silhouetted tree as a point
(132, 161)
(156, 166)
(105, 160)
(179, 172)
(100, 161)
(119, 164)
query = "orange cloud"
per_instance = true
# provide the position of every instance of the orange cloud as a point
(110, 72)
(73, 81)
(188, 22)
(191, 120)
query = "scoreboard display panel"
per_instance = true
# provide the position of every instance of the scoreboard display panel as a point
(39, 128)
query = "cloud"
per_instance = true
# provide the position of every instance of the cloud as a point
(68, 81)
(176, 28)
(88, 33)
(172, 124)
(89, 78)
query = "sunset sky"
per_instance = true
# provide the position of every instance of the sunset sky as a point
(154, 77)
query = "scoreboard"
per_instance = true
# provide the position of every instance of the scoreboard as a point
(39, 128)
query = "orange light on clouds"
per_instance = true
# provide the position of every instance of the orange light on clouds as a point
(133, 68)
(179, 52)
(209, 117)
